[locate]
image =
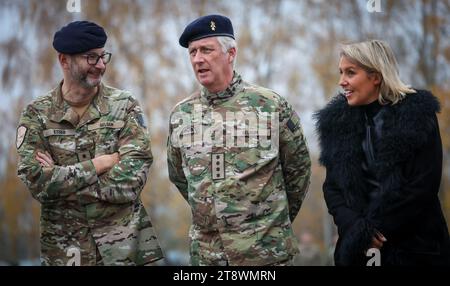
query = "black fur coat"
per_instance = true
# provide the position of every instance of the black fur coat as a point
(408, 168)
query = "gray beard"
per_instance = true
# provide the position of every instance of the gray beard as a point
(83, 81)
(81, 78)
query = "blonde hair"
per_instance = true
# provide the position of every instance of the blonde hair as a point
(376, 56)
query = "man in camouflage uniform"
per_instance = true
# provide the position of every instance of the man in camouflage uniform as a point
(84, 153)
(237, 154)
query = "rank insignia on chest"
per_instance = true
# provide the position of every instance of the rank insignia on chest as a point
(218, 166)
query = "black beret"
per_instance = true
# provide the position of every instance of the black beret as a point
(79, 37)
(206, 26)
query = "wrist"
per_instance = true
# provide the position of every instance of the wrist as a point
(99, 166)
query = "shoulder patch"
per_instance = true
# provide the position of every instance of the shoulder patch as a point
(141, 120)
(21, 132)
(293, 123)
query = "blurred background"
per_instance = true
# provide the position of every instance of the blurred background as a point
(290, 46)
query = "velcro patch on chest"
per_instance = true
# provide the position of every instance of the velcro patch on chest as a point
(117, 124)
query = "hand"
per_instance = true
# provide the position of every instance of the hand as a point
(45, 159)
(378, 240)
(104, 163)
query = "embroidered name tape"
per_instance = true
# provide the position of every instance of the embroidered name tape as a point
(107, 124)
(59, 132)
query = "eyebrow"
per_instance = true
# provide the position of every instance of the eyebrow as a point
(94, 53)
(207, 46)
(347, 68)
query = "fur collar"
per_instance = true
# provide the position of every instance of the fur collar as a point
(341, 129)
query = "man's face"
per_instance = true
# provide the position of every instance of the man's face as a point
(212, 67)
(85, 74)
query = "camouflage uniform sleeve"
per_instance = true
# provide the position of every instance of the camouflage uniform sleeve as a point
(294, 156)
(47, 184)
(125, 181)
(175, 166)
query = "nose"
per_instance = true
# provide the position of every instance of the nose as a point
(197, 58)
(342, 81)
(100, 64)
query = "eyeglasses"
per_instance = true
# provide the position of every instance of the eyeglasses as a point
(92, 59)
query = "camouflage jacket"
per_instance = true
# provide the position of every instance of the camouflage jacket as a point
(86, 217)
(243, 193)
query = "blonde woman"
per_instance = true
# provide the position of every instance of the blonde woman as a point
(382, 150)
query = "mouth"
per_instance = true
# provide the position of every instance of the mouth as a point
(202, 71)
(348, 92)
(95, 74)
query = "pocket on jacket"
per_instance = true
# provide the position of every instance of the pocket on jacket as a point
(197, 161)
(63, 149)
(245, 159)
(107, 141)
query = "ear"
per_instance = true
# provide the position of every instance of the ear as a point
(377, 78)
(64, 61)
(231, 54)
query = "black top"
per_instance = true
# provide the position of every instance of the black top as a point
(373, 124)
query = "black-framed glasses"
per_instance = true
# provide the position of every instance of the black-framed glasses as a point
(92, 59)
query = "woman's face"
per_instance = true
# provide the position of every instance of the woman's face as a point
(360, 87)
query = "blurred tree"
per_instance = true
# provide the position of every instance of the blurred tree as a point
(19, 217)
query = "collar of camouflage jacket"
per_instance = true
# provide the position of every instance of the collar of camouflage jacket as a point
(62, 111)
(214, 98)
